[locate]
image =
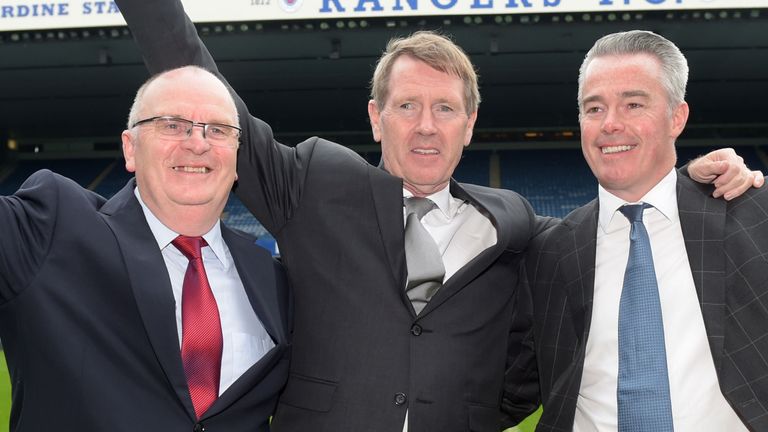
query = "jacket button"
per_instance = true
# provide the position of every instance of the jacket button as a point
(416, 330)
(400, 398)
(199, 428)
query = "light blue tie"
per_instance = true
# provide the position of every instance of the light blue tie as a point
(643, 384)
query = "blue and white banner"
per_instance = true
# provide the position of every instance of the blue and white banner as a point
(52, 14)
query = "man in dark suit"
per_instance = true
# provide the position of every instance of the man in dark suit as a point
(362, 357)
(708, 258)
(366, 355)
(100, 308)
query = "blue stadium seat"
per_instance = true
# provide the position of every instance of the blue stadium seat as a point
(555, 181)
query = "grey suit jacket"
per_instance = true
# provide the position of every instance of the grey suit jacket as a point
(361, 357)
(727, 247)
(88, 321)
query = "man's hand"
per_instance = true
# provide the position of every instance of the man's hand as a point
(727, 171)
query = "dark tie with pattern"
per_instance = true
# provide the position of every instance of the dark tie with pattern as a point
(201, 340)
(425, 264)
(643, 384)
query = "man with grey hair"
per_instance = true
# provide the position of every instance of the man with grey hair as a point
(144, 312)
(648, 304)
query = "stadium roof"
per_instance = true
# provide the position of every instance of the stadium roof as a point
(310, 77)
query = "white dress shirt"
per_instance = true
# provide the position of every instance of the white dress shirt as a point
(460, 231)
(697, 403)
(245, 340)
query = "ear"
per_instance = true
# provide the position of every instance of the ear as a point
(470, 127)
(679, 119)
(375, 116)
(129, 150)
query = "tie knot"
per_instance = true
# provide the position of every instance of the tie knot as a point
(634, 212)
(190, 246)
(419, 206)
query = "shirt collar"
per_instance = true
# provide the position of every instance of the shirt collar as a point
(164, 235)
(663, 197)
(441, 198)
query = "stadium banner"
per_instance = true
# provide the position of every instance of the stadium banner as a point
(17, 15)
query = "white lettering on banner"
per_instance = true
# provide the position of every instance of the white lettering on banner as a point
(51, 14)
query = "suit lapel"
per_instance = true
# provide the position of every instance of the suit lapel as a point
(150, 283)
(582, 247)
(493, 208)
(702, 219)
(257, 271)
(387, 192)
(576, 249)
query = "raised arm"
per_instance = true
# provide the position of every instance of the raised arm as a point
(165, 35)
(270, 174)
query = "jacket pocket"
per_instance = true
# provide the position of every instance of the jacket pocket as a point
(309, 393)
(483, 418)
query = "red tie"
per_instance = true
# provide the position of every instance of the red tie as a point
(201, 339)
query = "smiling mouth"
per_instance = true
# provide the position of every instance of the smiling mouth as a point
(616, 149)
(194, 170)
(425, 151)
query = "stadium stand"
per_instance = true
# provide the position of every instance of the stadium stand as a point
(555, 181)
(113, 178)
(83, 171)
(474, 167)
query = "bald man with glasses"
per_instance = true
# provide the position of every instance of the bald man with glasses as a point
(144, 312)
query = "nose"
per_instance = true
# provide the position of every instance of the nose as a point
(612, 122)
(195, 141)
(426, 122)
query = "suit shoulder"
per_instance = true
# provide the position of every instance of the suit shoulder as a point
(751, 208)
(252, 248)
(56, 188)
(576, 219)
(504, 197)
(333, 153)
(246, 238)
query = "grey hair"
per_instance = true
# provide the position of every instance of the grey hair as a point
(674, 66)
(138, 100)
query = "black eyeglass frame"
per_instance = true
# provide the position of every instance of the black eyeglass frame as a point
(205, 126)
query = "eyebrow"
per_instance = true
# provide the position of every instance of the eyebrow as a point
(635, 93)
(624, 95)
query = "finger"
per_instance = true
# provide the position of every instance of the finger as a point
(705, 171)
(732, 182)
(759, 179)
(737, 191)
(738, 186)
(730, 175)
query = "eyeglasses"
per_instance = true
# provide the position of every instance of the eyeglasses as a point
(180, 129)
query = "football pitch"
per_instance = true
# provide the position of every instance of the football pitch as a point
(5, 395)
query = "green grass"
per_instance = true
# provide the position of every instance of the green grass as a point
(5, 394)
(528, 425)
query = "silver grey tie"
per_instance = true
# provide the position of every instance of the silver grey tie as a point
(425, 264)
